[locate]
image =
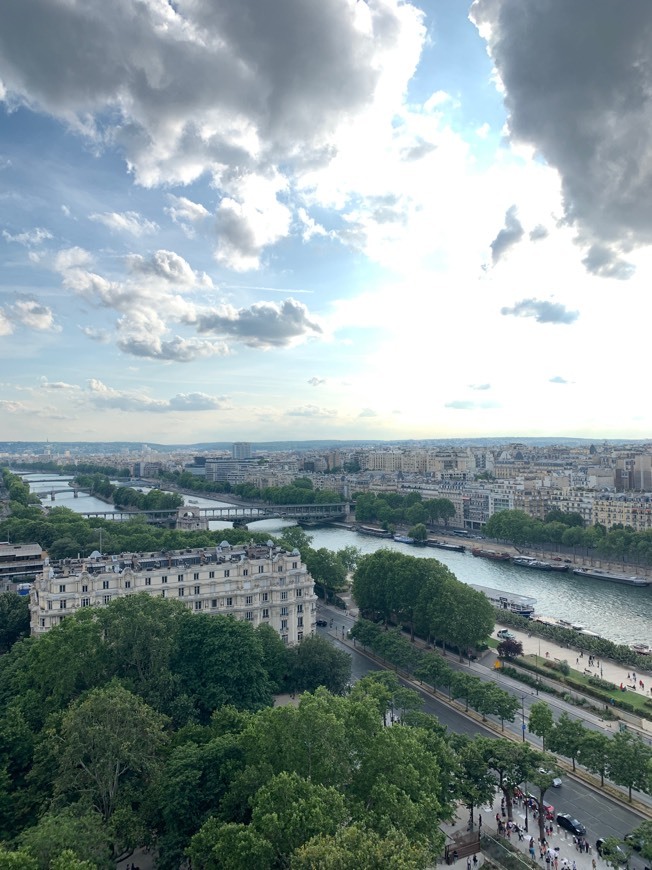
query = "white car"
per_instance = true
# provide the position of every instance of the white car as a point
(556, 782)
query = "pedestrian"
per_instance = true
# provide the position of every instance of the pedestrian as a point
(468, 863)
(593, 864)
(479, 820)
(475, 860)
(531, 850)
(556, 862)
(574, 865)
(455, 856)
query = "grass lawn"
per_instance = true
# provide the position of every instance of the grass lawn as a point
(633, 698)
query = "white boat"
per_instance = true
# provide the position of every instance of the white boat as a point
(643, 649)
(612, 576)
(523, 605)
(576, 626)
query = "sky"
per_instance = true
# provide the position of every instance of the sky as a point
(236, 219)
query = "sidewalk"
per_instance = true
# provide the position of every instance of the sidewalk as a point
(560, 841)
(604, 668)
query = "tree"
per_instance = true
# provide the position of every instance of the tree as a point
(513, 764)
(14, 619)
(275, 656)
(220, 845)
(475, 783)
(326, 569)
(510, 648)
(74, 829)
(594, 753)
(355, 848)
(541, 778)
(567, 737)
(628, 761)
(541, 721)
(106, 738)
(419, 532)
(316, 662)
(16, 860)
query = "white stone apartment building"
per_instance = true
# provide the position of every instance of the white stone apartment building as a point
(259, 584)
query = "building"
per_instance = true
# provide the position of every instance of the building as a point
(19, 563)
(259, 584)
(241, 450)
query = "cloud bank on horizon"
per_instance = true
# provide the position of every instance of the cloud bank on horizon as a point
(445, 188)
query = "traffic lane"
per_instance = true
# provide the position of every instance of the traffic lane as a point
(602, 816)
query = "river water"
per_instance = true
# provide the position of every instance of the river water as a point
(620, 613)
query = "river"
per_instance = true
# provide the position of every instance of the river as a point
(622, 614)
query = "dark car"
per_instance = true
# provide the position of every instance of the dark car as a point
(322, 623)
(564, 820)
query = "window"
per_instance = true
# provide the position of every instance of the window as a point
(42, 622)
(196, 590)
(265, 613)
(284, 596)
(180, 591)
(163, 593)
(299, 608)
(284, 625)
(295, 564)
(62, 587)
(85, 587)
(249, 599)
(299, 635)
(195, 576)
(148, 581)
(284, 638)
(105, 584)
(214, 603)
(229, 602)
(127, 584)
(180, 578)
(300, 621)
(245, 573)
(164, 578)
(49, 605)
(280, 569)
(62, 604)
(265, 596)
(298, 593)
(197, 605)
(107, 599)
(249, 616)
(86, 602)
(284, 611)
(261, 569)
(211, 575)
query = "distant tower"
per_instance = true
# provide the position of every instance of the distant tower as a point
(241, 450)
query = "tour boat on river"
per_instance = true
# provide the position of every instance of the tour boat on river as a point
(523, 605)
(529, 562)
(490, 554)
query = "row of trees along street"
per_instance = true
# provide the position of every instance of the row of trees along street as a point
(568, 529)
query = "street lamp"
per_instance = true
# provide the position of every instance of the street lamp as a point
(526, 799)
(523, 717)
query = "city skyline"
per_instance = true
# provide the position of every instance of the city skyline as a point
(376, 221)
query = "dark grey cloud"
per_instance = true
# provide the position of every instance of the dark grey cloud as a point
(558, 380)
(284, 74)
(264, 324)
(510, 235)
(538, 233)
(543, 311)
(578, 87)
(603, 261)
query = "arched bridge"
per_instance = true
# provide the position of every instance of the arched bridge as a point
(237, 513)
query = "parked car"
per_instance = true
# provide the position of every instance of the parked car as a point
(556, 780)
(548, 809)
(322, 623)
(565, 820)
(505, 634)
(618, 852)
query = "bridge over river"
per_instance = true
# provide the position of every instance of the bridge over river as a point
(238, 514)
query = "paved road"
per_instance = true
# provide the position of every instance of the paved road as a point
(602, 816)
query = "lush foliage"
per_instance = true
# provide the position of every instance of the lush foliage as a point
(424, 595)
(620, 542)
(14, 619)
(393, 509)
